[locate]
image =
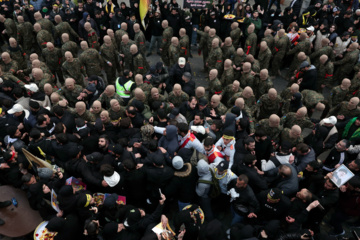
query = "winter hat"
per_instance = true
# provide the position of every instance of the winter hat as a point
(110, 201)
(177, 162)
(133, 217)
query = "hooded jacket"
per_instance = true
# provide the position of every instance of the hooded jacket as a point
(170, 141)
(203, 170)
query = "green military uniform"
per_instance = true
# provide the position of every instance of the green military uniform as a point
(19, 56)
(74, 70)
(247, 79)
(140, 41)
(53, 60)
(325, 74)
(267, 107)
(215, 60)
(315, 56)
(311, 98)
(10, 28)
(162, 98)
(227, 77)
(235, 35)
(92, 61)
(118, 36)
(87, 116)
(71, 47)
(227, 93)
(290, 119)
(337, 95)
(220, 109)
(178, 100)
(47, 78)
(345, 65)
(249, 102)
(264, 58)
(71, 96)
(12, 67)
(281, 46)
(10, 77)
(215, 87)
(165, 44)
(47, 25)
(228, 52)
(146, 88)
(25, 36)
(184, 44)
(105, 100)
(139, 64)
(270, 42)
(125, 49)
(109, 55)
(250, 44)
(355, 86)
(43, 37)
(238, 62)
(203, 45)
(272, 132)
(342, 109)
(302, 46)
(174, 54)
(64, 27)
(295, 64)
(255, 66)
(93, 40)
(115, 116)
(263, 87)
(285, 137)
(209, 42)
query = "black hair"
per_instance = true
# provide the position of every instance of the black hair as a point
(161, 113)
(153, 145)
(35, 133)
(183, 127)
(107, 170)
(129, 164)
(260, 132)
(249, 140)
(58, 110)
(244, 178)
(59, 128)
(315, 165)
(40, 119)
(18, 92)
(200, 114)
(62, 138)
(209, 141)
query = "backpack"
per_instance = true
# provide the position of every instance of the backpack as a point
(215, 190)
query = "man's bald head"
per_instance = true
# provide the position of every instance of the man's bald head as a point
(248, 92)
(37, 27)
(301, 56)
(267, 32)
(263, 46)
(200, 92)
(281, 32)
(345, 84)
(182, 32)
(227, 64)
(36, 63)
(240, 52)
(264, 74)
(124, 26)
(20, 19)
(234, 25)
(58, 19)
(240, 103)
(213, 74)
(33, 56)
(174, 41)
(165, 24)
(294, 88)
(323, 59)
(274, 120)
(65, 37)
(228, 41)
(133, 49)
(296, 129)
(80, 107)
(301, 112)
(48, 89)
(136, 27)
(139, 79)
(215, 101)
(177, 86)
(246, 67)
(250, 58)
(215, 43)
(87, 26)
(107, 40)
(54, 98)
(37, 16)
(84, 45)
(212, 32)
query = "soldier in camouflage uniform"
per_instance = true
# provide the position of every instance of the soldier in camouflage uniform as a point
(215, 58)
(16, 53)
(81, 112)
(184, 44)
(120, 33)
(155, 96)
(53, 59)
(264, 55)
(325, 73)
(247, 79)
(72, 68)
(228, 49)
(215, 86)
(235, 34)
(10, 77)
(68, 45)
(110, 59)
(41, 78)
(264, 83)
(355, 85)
(271, 126)
(299, 118)
(287, 93)
(324, 50)
(203, 44)
(255, 64)
(345, 65)
(42, 36)
(228, 75)
(302, 46)
(339, 93)
(38, 64)
(177, 96)
(25, 34)
(93, 38)
(165, 42)
(268, 104)
(91, 60)
(251, 40)
(109, 94)
(292, 136)
(116, 111)
(345, 110)
(111, 34)
(295, 64)
(45, 23)
(249, 98)
(125, 53)
(96, 109)
(174, 51)
(139, 39)
(217, 109)
(71, 91)
(269, 39)
(139, 63)
(281, 46)
(145, 87)
(229, 91)
(311, 98)
(239, 59)
(64, 27)
(10, 26)
(8, 65)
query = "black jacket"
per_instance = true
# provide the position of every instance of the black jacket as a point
(176, 72)
(256, 181)
(309, 79)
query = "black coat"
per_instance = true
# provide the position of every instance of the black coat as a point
(256, 181)
(309, 79)
(176, 72)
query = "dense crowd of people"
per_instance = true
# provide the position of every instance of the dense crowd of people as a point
(77, 91)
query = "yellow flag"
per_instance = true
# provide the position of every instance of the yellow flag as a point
(143, 8)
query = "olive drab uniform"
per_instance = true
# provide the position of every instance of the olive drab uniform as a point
(267, 107)
(285, 136)
(93, 39)
(178, 100)
(290, 119)
(345, 65)
(227, 93)
(281, 46)
(72, 95)
(311, 98)
(18, 55)
(174, 54)
(337, 95)
(270, 42)
(10, 28)
(215, 60)
(263, 87)
(250, 44)
(47, 25)
(265, 58)
(125, 49)
(118, 36)
(71, 47)
(272, 132)
(325, 74)
(64, 27)
(25, 36)
(247, 79)
(238, 62)
(342, 109)
(315, 56)
(184, 46)
(227, 77)
(140, 41)
(109, 56)
(92, 61)
(203, 45)
(165, 44)
(235, 36)
(228, 52)
(139, 64)
(215, 87)
(74, 70)
(43, 37)
(53, 60)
